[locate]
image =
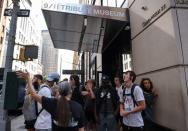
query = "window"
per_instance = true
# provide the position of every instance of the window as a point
(18, 47)
(16, 68)
(17, 56)
(3, 28)
(20, 35)
(126, 66)
(130, 65)
(1, 40)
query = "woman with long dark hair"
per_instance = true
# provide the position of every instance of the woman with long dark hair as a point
(67, 115)
(76, 94)
(150, 98)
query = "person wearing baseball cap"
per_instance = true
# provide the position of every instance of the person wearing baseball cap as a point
(53, 77)
(43, 121)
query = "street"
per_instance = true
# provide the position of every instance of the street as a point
(17, 124)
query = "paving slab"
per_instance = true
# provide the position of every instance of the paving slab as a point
(17, 124)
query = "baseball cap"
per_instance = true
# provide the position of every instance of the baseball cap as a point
(64, 88)
(53, 77)
(105, 78)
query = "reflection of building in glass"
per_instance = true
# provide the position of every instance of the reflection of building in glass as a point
(49, 54)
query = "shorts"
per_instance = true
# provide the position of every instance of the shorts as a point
(128, 128)
(29, 124)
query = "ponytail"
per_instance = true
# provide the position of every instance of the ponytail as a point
(63, 112)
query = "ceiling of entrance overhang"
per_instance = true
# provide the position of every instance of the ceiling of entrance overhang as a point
(66, 29)
(79, 27)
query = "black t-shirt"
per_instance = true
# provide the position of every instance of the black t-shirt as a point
(77, 120)
(77, 96)
(106, 99)
(107, 103)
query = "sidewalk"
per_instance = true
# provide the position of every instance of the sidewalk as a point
(17, 124)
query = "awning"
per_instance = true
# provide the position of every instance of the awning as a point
(79, 27)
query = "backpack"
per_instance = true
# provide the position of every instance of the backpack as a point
(146, 114)
(36, 105)
(30, 108)
(131, 94)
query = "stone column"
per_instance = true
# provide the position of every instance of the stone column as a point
(159, 34)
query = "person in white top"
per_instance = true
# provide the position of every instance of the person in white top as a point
(118, 84)
(119, 89)
(132, 103)
(44, 121)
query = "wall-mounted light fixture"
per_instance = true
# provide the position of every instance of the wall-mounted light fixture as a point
(127, 27)
(144, 8)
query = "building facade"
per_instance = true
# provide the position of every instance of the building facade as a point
(3, 5)
(49, 54)
(27, 33)
(158, 51)
(159, 32)
(156, 37)
(94, 61)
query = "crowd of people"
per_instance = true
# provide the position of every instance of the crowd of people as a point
(54, 105)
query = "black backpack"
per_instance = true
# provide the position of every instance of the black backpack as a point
(131, 94)
(134, 100)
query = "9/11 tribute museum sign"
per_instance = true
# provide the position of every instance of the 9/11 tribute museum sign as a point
(120, 14)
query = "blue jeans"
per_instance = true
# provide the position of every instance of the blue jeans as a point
(107, 122)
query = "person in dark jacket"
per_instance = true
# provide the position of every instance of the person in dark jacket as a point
(107, 102)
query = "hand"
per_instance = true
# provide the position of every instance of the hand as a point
(89, 86)
(24, 75)
(84, 93)
(124, 113)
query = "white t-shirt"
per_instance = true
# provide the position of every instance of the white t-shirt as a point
(134, 119)
(44, 120)
(119, 91)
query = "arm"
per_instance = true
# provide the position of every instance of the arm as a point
(139, 97)
(141, 106)
(81, 129)
(122, 110)
(92, 93)
(33, 93)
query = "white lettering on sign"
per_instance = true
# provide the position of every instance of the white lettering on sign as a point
(108, 13)
(96, 11)
(181, 1)
(159, 11)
